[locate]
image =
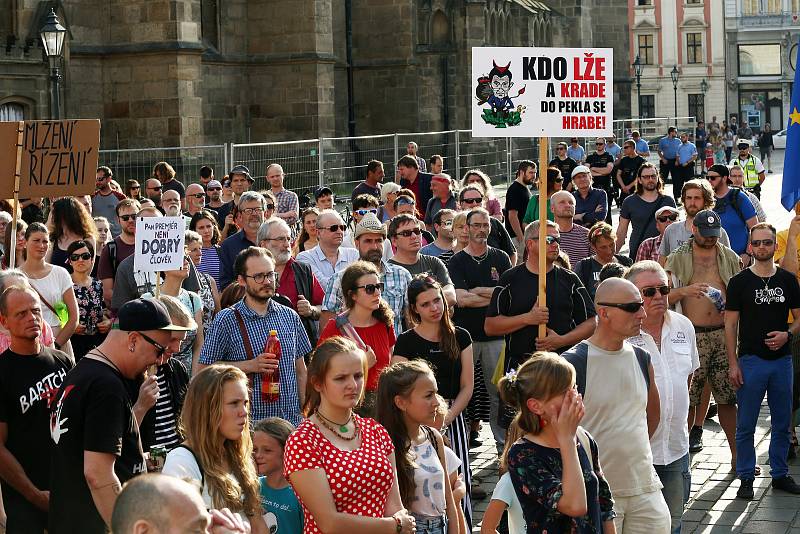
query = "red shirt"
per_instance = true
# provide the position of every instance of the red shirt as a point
(359, 480)
(414, 187)
(378, 336)
(288, 288)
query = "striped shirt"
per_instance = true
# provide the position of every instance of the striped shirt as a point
(395, 279)
(224, 343)
(165, 434)
(576, 244)
(209, 264)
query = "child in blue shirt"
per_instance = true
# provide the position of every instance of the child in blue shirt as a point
(282, 512)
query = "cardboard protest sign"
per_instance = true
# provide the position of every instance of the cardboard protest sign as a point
(59, 158)
(159, 243)
(542, 92)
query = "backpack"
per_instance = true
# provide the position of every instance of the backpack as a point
(734, 203)
(112, 256)
(579, 354)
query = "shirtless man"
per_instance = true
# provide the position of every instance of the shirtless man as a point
(699, 271)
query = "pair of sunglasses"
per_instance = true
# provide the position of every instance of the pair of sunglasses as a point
(549, 239)
(765, 242)
(664, 218)
(126, 218)
(84, 256)
(370, 289)
(629, 307)
(364, 212)
(333, 227)
(650, 292)
(407, 233)
(472, 200)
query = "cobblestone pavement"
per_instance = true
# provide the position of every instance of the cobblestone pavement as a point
(713, 506)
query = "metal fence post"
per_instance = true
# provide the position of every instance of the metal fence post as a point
(321, 162)
(227, 154)
(396, 148)
(508, 160)
(458, 155)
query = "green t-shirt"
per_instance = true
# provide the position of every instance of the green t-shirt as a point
(532, 213)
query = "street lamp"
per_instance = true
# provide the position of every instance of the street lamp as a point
(638, 67)
(674, 75)
(704, 90)
(53, 34)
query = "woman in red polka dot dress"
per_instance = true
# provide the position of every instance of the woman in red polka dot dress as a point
(342, 466)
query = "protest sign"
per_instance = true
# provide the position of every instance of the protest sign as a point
(59, 158)
(159, 243)
(542, 92)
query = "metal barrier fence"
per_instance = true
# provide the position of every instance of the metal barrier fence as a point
(341, 162)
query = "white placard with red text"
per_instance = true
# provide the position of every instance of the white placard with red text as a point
(542, 92)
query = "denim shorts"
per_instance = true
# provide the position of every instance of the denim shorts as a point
(430, 525)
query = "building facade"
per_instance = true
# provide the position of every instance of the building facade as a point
(198, 72)
(684, 35)
(762, 42)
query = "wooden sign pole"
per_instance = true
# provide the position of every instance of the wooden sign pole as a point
(543, 149)
(17, 170)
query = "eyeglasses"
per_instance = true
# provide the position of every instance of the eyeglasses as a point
(743, 147)
(630, 307)
(214, 189)
(765, 242)
(270, 207)
(251, 211)
(407, 233)
(370, 289)
(84, 256)
(477, 200)
(126, 218)
(259, 278)
(159, 347)
(154, 188)
(405, 202)
(672, 217)
(549, 239)
(135, 187)
(333, 227)
(198, 195)
(650, 292)
(480, 226)
(282, 239)
(645, 176)
(364, 212)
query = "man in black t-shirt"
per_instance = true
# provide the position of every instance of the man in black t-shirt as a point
(601, 165)
(517, 198)
(475, 272)
(625, 171)
(569, 314)
(761, 298)
(30, 375)
(96, 435)
(471, 197)
(565, 164)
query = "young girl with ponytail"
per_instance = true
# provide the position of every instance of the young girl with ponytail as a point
(554, 467)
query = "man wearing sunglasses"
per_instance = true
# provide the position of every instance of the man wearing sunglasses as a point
(29, 372)
(195, 200)
(564, 163)
(105, 199)
(406, 236)
(214, 202)
(648, 250)
(152, 190)
(239, 181)
(754, 171)
(624, 401)
(669, 337)
(626, 168)
(119, 248)
(96, 435)
(370, 236)
(700, 271)
(601, 165)
(329, 256)
(734, 208)
(251, 207)
(443, 197)
(758, 342)
(362, 205)
(471, 197)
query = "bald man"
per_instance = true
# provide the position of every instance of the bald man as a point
(195, 199)
(287, 204)
(623, 411)
(160, 504)
(574, 237)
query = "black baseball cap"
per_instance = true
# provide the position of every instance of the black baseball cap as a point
(322, 191)
(145, 314)
(708, 223)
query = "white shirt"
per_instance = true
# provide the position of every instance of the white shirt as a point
(429, 477)
(52, 288)
(504, 492)
(320, 265)
(672, 365)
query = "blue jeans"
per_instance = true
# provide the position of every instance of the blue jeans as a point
(677, 481)
(773, 377)
(430, 525)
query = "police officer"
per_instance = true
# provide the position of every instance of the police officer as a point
(754, 172)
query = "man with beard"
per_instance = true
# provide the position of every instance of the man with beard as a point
(251, 206)
(760, 359)
(30, 375)
(296, 281)
(601, 165)
(105, 199)
(369, 236)
(239, 333)
(517, 197)
(624, 401)
(639, 210)
(195, 200)
(171, 205)
(152, 190)
(574, 238)
(215, 204)
(700, 271)
(626, 169)
(119, 248)
(753, 168)
(734, 208)
(565, 164)
(696, 196)
(475, 271)
(96, 434)
(472, 197)
(329, 256)
(669, 338)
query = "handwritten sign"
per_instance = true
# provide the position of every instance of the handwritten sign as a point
(159, 243)
(59, 158)
(542, 92)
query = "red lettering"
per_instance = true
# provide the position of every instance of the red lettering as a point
(572, 122)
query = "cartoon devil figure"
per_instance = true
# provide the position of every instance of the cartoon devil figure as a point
(494, 90)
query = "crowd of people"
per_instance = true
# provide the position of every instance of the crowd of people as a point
(306, 373)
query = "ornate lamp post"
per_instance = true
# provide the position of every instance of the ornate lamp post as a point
(674, 74)
(704, 90)
(53, 34)
(638, 67)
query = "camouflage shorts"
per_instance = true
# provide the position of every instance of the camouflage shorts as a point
(713, 369)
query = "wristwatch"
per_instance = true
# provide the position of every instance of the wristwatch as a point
(789, 337)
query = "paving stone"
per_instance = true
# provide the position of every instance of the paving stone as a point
(765, 527)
